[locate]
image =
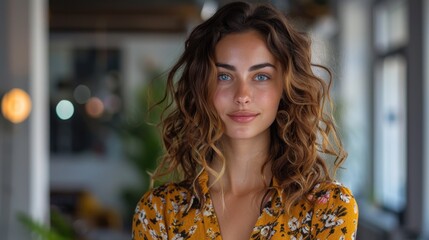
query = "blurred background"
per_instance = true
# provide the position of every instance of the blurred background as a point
(76, 79)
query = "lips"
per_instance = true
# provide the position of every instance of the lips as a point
(243, 116)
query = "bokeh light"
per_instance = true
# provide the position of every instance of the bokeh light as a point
(64, 109)
(112, 104)
(94, 107)
(16, 105)
(81, 94)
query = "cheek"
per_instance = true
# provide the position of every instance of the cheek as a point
(219, 99)
(271, 99)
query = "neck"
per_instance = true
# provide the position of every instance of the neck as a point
(244, 162)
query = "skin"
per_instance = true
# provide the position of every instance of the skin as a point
(248, 92)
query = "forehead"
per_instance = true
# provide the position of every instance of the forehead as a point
(249, 45)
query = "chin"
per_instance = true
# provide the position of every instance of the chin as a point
(245, 135)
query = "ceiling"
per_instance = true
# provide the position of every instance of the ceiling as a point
(153, 16)
(124, 15)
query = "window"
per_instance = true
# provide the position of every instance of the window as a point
(390, 25)
(85, 99)
(390, 127)
(391, 37)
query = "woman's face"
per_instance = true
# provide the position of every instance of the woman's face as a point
(249, 85)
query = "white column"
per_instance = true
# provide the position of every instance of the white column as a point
(24, 146)
(39, 121)
(17, 181)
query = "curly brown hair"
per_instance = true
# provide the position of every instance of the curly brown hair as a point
(304, 132)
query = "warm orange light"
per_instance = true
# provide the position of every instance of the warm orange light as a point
(94, 107)
(16, 105)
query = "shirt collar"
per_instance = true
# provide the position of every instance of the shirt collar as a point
(203, 181)
(279, 190)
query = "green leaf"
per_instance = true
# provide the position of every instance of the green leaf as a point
(41, 230)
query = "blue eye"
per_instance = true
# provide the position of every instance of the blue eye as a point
(261, 77)
(223, 77)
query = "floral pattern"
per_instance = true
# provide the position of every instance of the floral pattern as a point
(172, 211)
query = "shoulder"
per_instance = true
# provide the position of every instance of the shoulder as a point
(156, 207)
(168, 190)
(165, 193)
(335, 211)
(331, 192)
(151, 212)
(168, 196)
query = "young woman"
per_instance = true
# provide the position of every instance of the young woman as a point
(250, 136)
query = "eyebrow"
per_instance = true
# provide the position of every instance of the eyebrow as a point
(252, 68)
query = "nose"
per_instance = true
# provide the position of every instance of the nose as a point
(243, 94)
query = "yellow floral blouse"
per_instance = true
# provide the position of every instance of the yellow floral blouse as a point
(172, 211)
